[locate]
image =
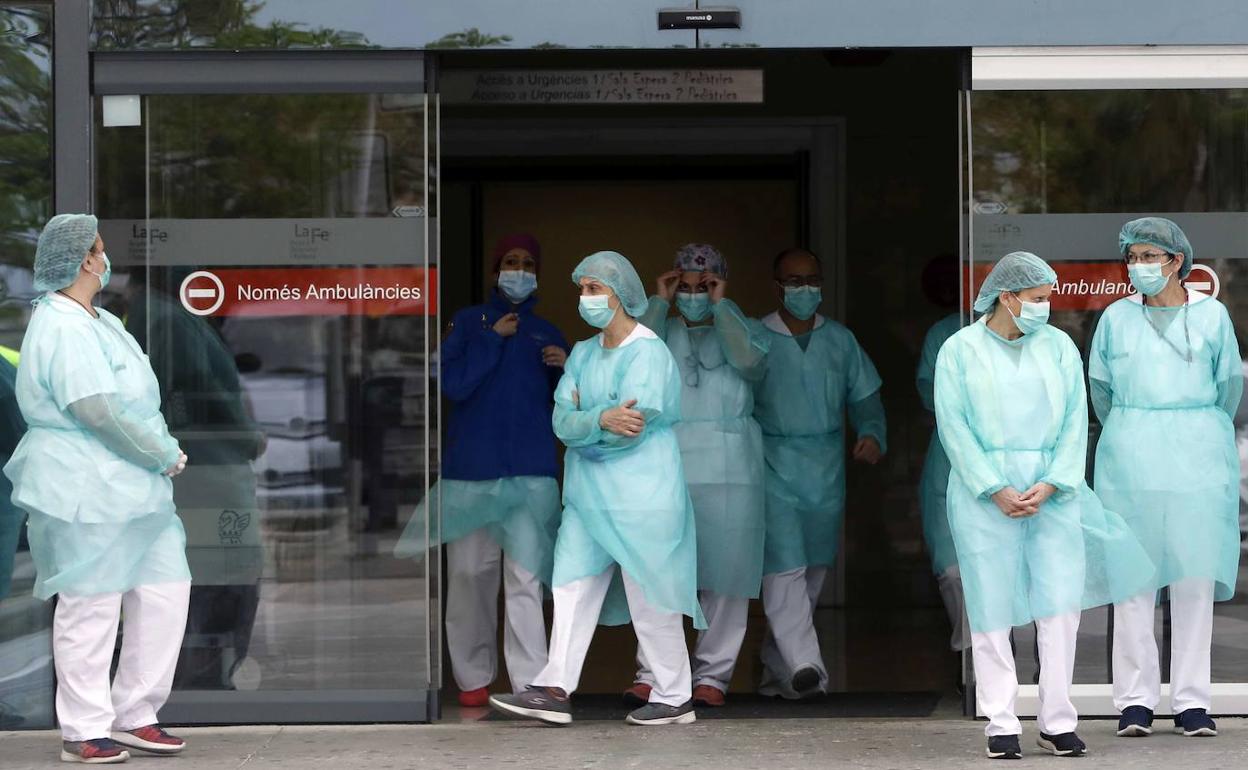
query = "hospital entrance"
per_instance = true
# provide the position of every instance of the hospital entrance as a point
(814, 157)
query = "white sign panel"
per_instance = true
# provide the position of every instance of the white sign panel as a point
(619, 86)
(397, 240)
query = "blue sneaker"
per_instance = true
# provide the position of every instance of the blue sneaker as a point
(1004, 747)
(1135, 722)
(1195, 723)
(1064, 745)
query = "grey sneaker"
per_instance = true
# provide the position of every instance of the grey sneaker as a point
(654, 714)
(549, 705)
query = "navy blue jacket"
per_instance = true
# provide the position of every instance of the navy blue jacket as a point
(502, 394)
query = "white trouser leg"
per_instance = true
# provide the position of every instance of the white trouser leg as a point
(1056, 637)
(84, 633)
(644, 674)
(474, 564)
(577, 606)
(661, 637)
(524, 632)
(715, 655)
(1137, 667)
(1191, 634)
(950, 584)
(155, 620)
(789, 605)
(996, 681)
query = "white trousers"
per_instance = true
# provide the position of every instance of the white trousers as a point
(660, 635)
(84, 635)
(996, 680)
(789, 601)
(1137, 667)
(950, 584)
(715, 655)
(475, 564)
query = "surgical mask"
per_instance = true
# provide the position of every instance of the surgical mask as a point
(517, 285)
(695, 307)
(1148, 280)
(596, 310)
(1032, 316)
(802, 301)
(105, 276)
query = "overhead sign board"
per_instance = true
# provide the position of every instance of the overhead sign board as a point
(607, 86)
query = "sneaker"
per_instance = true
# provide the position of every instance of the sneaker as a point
(1135, 722)
(550, 705)
(1004, 747)
(806, 681)
(654, 714)
(1195, 723)
(475, 699)
(150, 738)
(98, 751)
(1064, 745)
(638, 695)
(708, 696)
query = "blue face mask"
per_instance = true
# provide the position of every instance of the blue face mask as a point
(802, 301)
(517, 285)
(695, 307)
(596, 310)
(105, 276)
(1149, 280)
(1031, 316)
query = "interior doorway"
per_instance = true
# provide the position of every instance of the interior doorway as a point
(851, 154)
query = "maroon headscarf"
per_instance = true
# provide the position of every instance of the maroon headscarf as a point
(517, 241)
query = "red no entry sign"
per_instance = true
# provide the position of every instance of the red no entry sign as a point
(371, 291)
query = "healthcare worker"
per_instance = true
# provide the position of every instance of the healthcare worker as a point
(1165, 372)
(719, 353)
(628, 523)
(940, 283)
(815, 372)
(1033, 542)
(500, 500)
(93, 475)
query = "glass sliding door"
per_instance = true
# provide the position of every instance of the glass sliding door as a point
(1057, 163)
(273, 253)
(26, 691)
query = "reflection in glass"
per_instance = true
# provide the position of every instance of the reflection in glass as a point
(304, 423)
(25, 204)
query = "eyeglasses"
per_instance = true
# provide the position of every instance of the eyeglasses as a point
(797, 281)
(1148, 258)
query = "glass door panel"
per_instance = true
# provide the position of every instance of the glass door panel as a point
(271, 254)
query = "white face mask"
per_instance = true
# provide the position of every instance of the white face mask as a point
(517, 285)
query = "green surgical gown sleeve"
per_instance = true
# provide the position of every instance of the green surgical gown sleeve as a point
(655, 317)
(131, 439)
(957, 435)
(1229, 367)
(1098, 372)
(745, 344)
(1067, 469)
(573, 426)
(867, 417)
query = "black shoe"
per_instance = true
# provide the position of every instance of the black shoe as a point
(1004, 747)
(654, 714)
(550, 705)
(806, 681)
(1064, 745)
(1195, 723)
(1135, 722)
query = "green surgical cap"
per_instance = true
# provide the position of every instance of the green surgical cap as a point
(1014, 272)
(63, 245)
(615, 271)
(1162, 233)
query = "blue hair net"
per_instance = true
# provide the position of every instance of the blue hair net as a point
(63, 245)
(1163, 234)
(1013, 272)
(617, 272)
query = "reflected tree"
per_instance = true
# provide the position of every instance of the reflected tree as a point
(129, 24)
(470, 38)
(25, 131)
